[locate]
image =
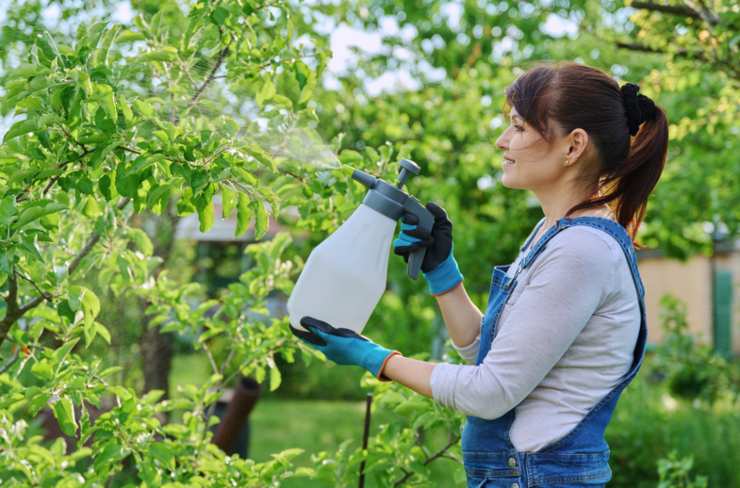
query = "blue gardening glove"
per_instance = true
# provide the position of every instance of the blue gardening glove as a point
(344, 346)
(439, 266)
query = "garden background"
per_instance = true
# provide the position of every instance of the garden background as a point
(123, 121)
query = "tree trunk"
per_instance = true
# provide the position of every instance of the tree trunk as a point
(156, 347)
(156, 359)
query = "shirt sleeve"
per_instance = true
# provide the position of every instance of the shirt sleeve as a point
(567, 283)
(470, 352)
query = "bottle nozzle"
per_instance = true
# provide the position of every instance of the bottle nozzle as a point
(366, 179)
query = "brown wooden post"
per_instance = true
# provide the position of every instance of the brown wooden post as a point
(241, 405)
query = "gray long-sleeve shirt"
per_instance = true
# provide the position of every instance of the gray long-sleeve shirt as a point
(565, 337)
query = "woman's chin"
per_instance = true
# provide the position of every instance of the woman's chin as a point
(510, 181)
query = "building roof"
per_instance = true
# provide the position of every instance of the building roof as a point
(223, 230)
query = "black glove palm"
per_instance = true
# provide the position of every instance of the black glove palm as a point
(438, 242)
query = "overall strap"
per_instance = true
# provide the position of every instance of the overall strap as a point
(625, 242)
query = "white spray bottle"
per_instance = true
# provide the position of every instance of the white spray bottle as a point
(345, 276)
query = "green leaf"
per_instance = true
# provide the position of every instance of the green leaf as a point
(105, 187)
(261, 156)
(266, 92)
(61, 353)
(92, 209)
(259, 374)
(43, 370)
(128, 115)
(130, 36)
(90, 305)
(220, 15)
(102, 332)
(83, 78)
(228, 198)
(81, 298)
(308, 88)
(8, 210)
(29, 214)
(275, 378)
(243, 214)
(158, 197)
(94, 32)
(28, 70)
(107, 101)
(20, 128)
(101, 153)
(206, 215)
(210, 333)
(348, 156)
(101, 53)
(261, 219)
(144, 108)
(110, 453)
(65, 414)
(302, 73)
(89, 331)
(141, 241)
(110, 371)
(167, 53)
(126, 185)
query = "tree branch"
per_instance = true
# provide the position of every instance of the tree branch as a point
(706, 13)
(11, 312)
(39, 290)
(453, 440)
(680, 10)
(632, 46)
(681, 53)
(10, 361)
(211, 76)
(14, 311)
(24, 194)
(437, 455)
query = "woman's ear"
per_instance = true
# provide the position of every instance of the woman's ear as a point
(577, 142)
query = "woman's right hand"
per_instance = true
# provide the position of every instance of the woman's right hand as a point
(439, 266)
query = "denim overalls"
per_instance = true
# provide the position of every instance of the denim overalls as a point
(581, 457)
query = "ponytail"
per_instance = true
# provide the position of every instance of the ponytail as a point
(630, 183)
(639, 174)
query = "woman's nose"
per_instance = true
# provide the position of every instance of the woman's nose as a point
(503, 141)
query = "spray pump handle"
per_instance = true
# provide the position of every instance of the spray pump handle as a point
(408, 168)
(426, 221)
(412, 205)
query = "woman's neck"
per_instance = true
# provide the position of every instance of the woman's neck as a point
(556, 202)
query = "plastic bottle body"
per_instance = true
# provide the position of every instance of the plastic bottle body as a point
(345, 276)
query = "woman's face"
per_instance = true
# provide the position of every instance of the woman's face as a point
(530, 162)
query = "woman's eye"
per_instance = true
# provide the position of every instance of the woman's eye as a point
(519, 128)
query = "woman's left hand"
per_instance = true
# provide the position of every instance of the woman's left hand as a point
(344, 346)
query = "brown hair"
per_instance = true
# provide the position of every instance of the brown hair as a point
(631, 145)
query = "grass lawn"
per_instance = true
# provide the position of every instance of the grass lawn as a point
(310, 425)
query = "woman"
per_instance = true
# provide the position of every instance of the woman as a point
(564, 330)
